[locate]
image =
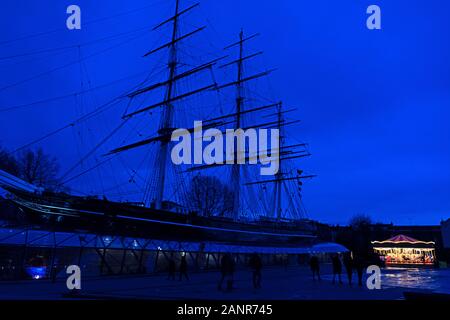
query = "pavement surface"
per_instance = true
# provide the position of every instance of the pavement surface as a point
(279, 283)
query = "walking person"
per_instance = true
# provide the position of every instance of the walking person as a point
(348, 264)
(286, 262)
(315, 267)
(183, 268)
(172, 268)
(225, 267)
(230, 273)
(256, 266)
(337, 268)
(359, 265)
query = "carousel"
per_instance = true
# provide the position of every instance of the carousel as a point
(404, 250)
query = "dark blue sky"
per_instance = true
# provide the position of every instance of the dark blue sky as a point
(374, 105)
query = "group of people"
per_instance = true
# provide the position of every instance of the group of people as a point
(173, 269)
(349, 263)
(227, 266)
(227, 269)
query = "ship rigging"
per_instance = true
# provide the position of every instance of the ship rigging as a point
(262, 208)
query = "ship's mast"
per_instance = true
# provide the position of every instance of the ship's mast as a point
(279, 175)
(285, 152)
(239, 87)
(166, 123)
(166, 120)
(236, 171)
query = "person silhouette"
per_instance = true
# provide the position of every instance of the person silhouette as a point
(337, 268)
(315, 267)
(348, 264)
(230, 273)
(224, 269)
(172, 268)
(359, 265)
(183, 268)
(256, 266)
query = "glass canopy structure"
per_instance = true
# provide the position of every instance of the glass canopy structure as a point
(37, 254)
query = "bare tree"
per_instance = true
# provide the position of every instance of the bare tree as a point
(360, 221)
(8, 163)
(361, 236)
(210, 196)
(38, 168)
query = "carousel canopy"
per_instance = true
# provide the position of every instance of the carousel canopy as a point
(402, 249)
(404, 241)
(402, 238)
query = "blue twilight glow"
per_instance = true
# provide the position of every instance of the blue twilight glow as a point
(374, 104)
(36, 272)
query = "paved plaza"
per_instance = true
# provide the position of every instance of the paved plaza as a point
(289, 283)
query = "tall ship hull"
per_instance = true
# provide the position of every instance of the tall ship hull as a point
(72, 213)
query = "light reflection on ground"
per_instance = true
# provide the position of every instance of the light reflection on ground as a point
(437, 280)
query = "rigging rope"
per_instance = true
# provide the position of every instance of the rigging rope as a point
(66, 65)
(26, 37)
(71, 124)
(86, 171)
(118, 35)
(11, 108)
(94, 149)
